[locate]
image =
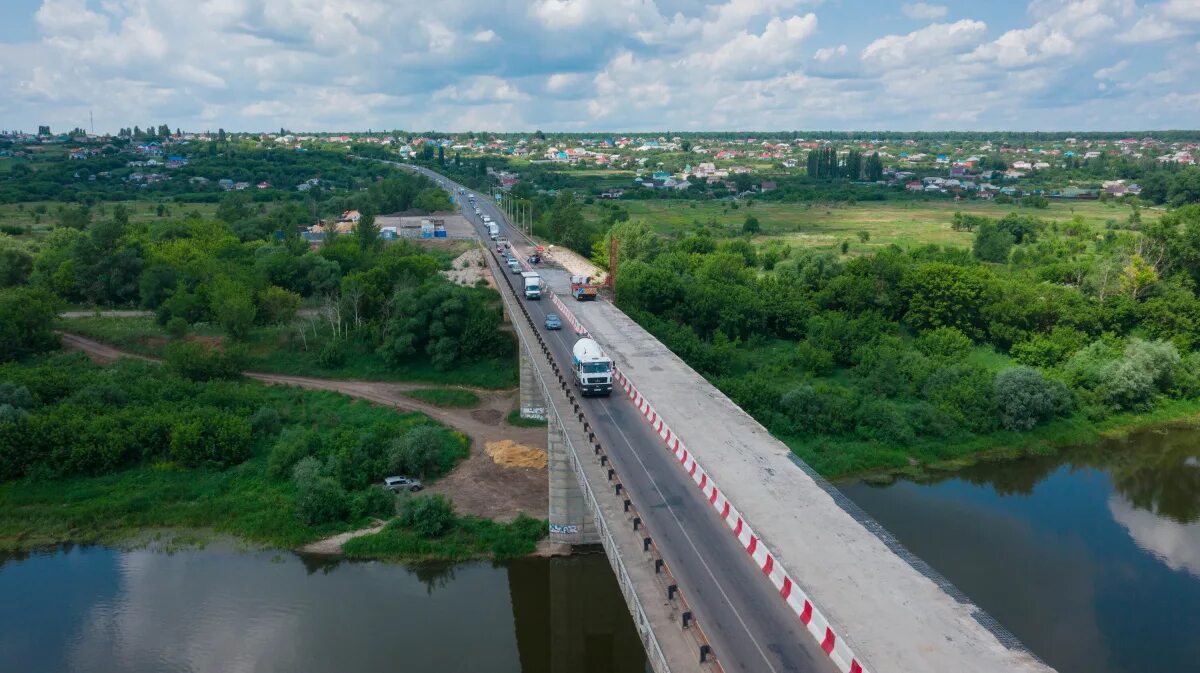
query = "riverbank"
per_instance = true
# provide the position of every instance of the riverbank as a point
(922, 459)
(102, 454)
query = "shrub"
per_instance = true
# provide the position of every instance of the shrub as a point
(1025, 398)
(210, 437)
(26, 323)
(947, 344)
(277, 305)
(819, 408)
(15, 396)
(294, 445)
(265, 421)
(319, 498)
(373, 502)
(964, 392)
(333, 354)
(883, 422)
(424, 451)
(814, 359)
(428, 515)
(200, 363)
(992, 244)
(177, 327)
(1048, 350)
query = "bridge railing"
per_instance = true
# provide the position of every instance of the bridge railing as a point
(687, 618)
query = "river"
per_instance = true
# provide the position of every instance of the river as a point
(1091, 557)
(222, 610)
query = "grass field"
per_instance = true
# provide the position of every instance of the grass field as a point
(40, 216)
(825, 226)
(274, 350)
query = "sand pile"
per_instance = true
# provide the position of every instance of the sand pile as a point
(507, 453)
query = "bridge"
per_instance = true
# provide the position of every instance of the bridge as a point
(731, 553)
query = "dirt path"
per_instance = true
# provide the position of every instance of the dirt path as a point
(333, 545)
(478, 486)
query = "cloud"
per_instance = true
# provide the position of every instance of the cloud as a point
(829, 53)
(933, 41)
(587, 64)
(480, 89)
(924, 11)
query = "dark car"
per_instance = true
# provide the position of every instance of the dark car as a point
(552, 321)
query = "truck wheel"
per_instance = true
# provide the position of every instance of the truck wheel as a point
(414, 489)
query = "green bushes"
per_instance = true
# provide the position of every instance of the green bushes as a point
(445, 397)
(427, 515)
(425, 451)
(1025, 398)
(198, 362)
(26, 323)
(319, 498)
(208, 437)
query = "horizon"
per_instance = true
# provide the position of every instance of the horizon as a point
(574, 66)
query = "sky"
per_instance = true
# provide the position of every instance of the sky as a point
(601, 65)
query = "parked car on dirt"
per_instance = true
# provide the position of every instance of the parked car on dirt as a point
(397, 484)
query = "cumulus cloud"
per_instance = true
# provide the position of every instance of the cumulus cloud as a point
(586, 64)
(924, 11)
(933, 41)
(829, 53)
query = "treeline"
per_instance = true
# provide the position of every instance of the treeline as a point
(250, 269)
(105, 177)
(867, 362)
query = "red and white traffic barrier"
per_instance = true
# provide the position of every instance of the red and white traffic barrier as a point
(815, 622)
(567, 315)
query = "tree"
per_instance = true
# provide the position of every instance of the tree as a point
(750, 225)
(1138, 276)
(366, 231)
(75, 218)
(319, 498)
(1024, 398)
(941, 294)
(278, 306)
(232, 304)
(873, 169)
(1185, 187)
(16, 261)
(210, 437)
(234, 207)
(429, 516)
(27, 317)
(992, 244)
(424, 451)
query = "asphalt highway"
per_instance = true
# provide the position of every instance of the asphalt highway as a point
(749, 626)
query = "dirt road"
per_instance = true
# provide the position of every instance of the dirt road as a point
(478, 485)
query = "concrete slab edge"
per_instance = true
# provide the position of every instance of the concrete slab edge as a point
(789, 591)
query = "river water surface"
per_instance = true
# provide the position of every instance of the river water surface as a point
(1092, 557)
(220, 610)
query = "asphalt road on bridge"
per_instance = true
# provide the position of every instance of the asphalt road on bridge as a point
(749, 626)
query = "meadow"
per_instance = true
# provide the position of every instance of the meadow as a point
(825, 226)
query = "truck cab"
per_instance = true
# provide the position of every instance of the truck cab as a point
(591, 369)
(533, 285)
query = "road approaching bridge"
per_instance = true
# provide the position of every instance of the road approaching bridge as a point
(780, 571)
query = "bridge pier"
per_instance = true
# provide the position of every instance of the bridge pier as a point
(570, 520)
(533, 402)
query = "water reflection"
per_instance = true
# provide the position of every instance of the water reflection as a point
(99, 609)
(1091, 557)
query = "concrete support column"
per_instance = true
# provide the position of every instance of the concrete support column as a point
(533, 402)
(570, 520)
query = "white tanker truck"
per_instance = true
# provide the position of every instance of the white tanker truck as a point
(593, 369)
